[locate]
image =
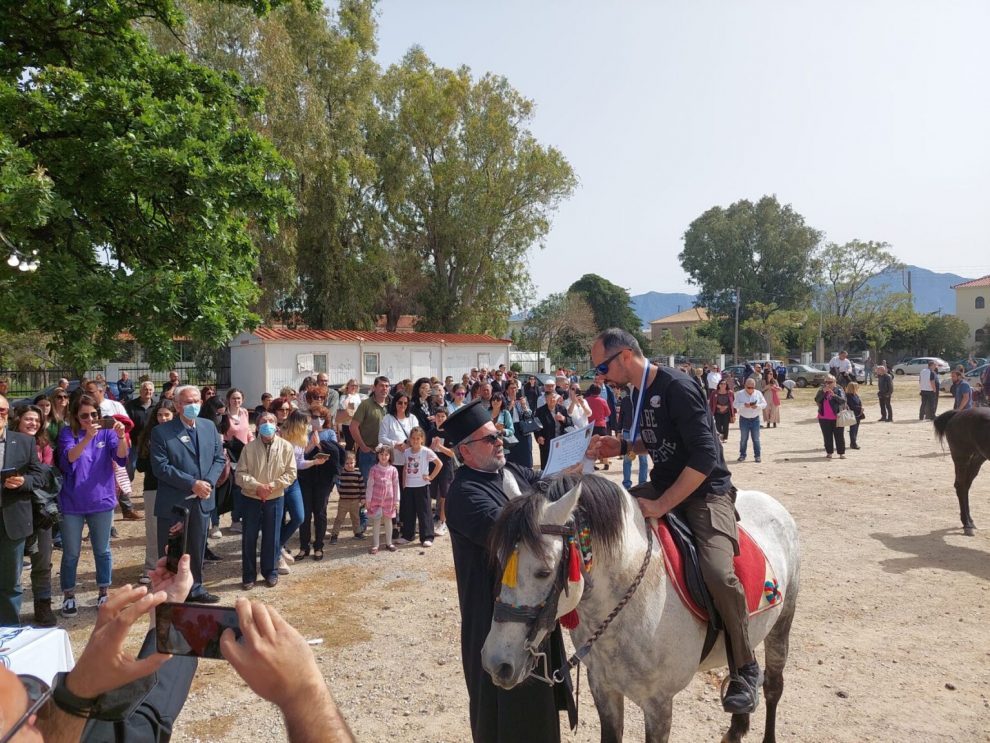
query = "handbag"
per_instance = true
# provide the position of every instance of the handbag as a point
(528, 423)
(44, 500)
(846, 417)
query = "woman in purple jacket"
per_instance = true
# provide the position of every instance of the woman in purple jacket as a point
(87, 452)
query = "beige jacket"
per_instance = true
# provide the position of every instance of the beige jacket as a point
(275, 466)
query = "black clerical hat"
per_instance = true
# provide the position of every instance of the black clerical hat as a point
(464, 422)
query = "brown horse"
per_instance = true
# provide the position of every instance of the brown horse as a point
(968, 434)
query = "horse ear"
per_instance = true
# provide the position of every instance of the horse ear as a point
(510, 486)
(559, 512)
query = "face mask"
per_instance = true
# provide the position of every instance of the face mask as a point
(191, 410)
(267, 430)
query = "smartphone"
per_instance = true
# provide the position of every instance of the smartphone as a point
(193, 629)
(107, 422)
(321, 456)
(176, 545)
(10, 472)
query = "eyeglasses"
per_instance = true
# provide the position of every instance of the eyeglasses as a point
(38, 694)
(491, 439)
(94, 416)
(602, 368)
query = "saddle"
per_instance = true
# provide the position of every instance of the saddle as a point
(680, 559)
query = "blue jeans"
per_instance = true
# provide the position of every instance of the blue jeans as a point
(366, 460)
(11, 564)
(265, 518)
(294, 507)
(749, 427)
(99, 537)
(644, 467)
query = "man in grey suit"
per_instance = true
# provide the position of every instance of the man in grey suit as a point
(187, 458)
(22, 473)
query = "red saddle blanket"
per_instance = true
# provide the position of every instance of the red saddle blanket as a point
(752, 568)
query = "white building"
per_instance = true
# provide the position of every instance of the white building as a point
(268, 359)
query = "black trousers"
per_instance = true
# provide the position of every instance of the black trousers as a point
(853, 433)
(722, 423)
(886, 411)
(315, 497)
(415, 506)
(834, 436)
(199, 526)
(929, 404)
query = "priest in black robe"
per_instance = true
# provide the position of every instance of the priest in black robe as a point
(528, 712)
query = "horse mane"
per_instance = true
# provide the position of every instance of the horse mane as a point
(600, 509)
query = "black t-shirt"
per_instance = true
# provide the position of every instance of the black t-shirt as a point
(678, 429)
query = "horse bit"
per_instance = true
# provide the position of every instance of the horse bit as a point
(544, 615)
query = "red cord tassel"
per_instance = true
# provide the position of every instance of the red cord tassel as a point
(570, 620)
(574, 568)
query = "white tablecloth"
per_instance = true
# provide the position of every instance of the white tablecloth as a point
(37, 652)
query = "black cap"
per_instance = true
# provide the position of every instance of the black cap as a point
(464, 422)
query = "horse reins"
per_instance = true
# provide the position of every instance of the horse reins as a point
(544, 615)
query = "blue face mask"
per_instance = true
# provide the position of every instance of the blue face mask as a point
(191, 410)
(267, 430)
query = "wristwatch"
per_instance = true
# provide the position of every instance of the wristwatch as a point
(68, 702)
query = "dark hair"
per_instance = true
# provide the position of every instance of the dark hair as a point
(380, 379)
(417, 386)
(499, 398)
(277, 403)
(234, 391)
(40, 438)
(307, 383)
(615, 338)
(394, 400)
(594, 389)
(74, 411)
(144, 442)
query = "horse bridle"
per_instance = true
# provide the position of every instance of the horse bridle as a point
(544, 614)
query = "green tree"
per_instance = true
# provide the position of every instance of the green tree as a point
(562, 325)
(464, 190)
(847, 269)
(155, 176)
(695, 345)
(666, 344)
(771, 325)
(764, 249)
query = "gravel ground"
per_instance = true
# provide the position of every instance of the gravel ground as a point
(889, 642)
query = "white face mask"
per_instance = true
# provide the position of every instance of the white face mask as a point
(317, 424)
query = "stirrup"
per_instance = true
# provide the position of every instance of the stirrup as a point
(754, 689)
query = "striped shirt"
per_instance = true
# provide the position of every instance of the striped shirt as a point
(351, 484)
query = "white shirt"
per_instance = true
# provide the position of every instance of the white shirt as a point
(110, 408)
(925, 380)
(713, 379)
(843, 365)
(393, 431)
(418, 466)
(743, 397)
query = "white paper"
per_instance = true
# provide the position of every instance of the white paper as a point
(568, 450)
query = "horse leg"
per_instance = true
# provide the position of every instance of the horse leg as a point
(776, 646)
(611, 710)
(657, 715)
(966, 472)
(737, 729)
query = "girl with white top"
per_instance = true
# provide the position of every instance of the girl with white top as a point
(422, 465)
(394, 432)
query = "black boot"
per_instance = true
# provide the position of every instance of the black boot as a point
(742, 696)
(43, 614)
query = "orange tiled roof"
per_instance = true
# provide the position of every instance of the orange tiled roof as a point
(983, 281)
(372, 336)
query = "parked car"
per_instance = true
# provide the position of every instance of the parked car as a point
(858, 370)
(964, 363)
(973, 376)
(916, 364)
(804, 375)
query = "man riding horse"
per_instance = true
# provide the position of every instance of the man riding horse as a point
(672, 424)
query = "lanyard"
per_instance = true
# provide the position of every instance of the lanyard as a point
(634, 431)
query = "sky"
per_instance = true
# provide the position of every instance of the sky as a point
(870, 118)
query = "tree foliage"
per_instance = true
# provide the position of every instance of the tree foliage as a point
(464, 191)
(155, 179)
(561, 325)
(765, 249)
(771, 324)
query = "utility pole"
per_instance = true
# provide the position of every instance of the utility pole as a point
(906, 281)
(735, 347)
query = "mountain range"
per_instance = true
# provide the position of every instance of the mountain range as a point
(930, 291)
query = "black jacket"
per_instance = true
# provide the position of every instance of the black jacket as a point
(21, 455)
(885, 385)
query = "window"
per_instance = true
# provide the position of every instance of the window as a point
(980, 335)
(320, 363)
(371, 364)
(980, 303)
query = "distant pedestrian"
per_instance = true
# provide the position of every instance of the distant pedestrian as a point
(749, 402)
(830, 401)
(855, 404)
(885, 390)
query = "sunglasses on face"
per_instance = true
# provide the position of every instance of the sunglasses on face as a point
(38, 694)
(284, 410)
(491, 439)
(94, 416)
(602, 368)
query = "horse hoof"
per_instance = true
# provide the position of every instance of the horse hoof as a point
(969, 531)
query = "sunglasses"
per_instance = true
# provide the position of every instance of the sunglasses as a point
(94, 416)
(602, 368)
(38, 693)
(491, 438)
(284, 410)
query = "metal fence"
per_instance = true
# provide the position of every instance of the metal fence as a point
(30, 382)
(218, 376)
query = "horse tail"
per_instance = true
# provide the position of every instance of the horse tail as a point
(941, 423)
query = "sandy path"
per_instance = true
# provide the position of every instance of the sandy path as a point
(890, 641)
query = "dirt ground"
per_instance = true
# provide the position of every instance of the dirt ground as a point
(889, 642)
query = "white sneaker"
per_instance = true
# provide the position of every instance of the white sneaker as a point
(427, 543)
(441, 529)
(101, 600)
(283, 568)
(216, 533)
(287, 556)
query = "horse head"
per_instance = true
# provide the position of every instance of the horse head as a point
(530, 542)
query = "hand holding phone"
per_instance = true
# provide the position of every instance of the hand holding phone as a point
(193, 629)
(175, 548)
(107, 422)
